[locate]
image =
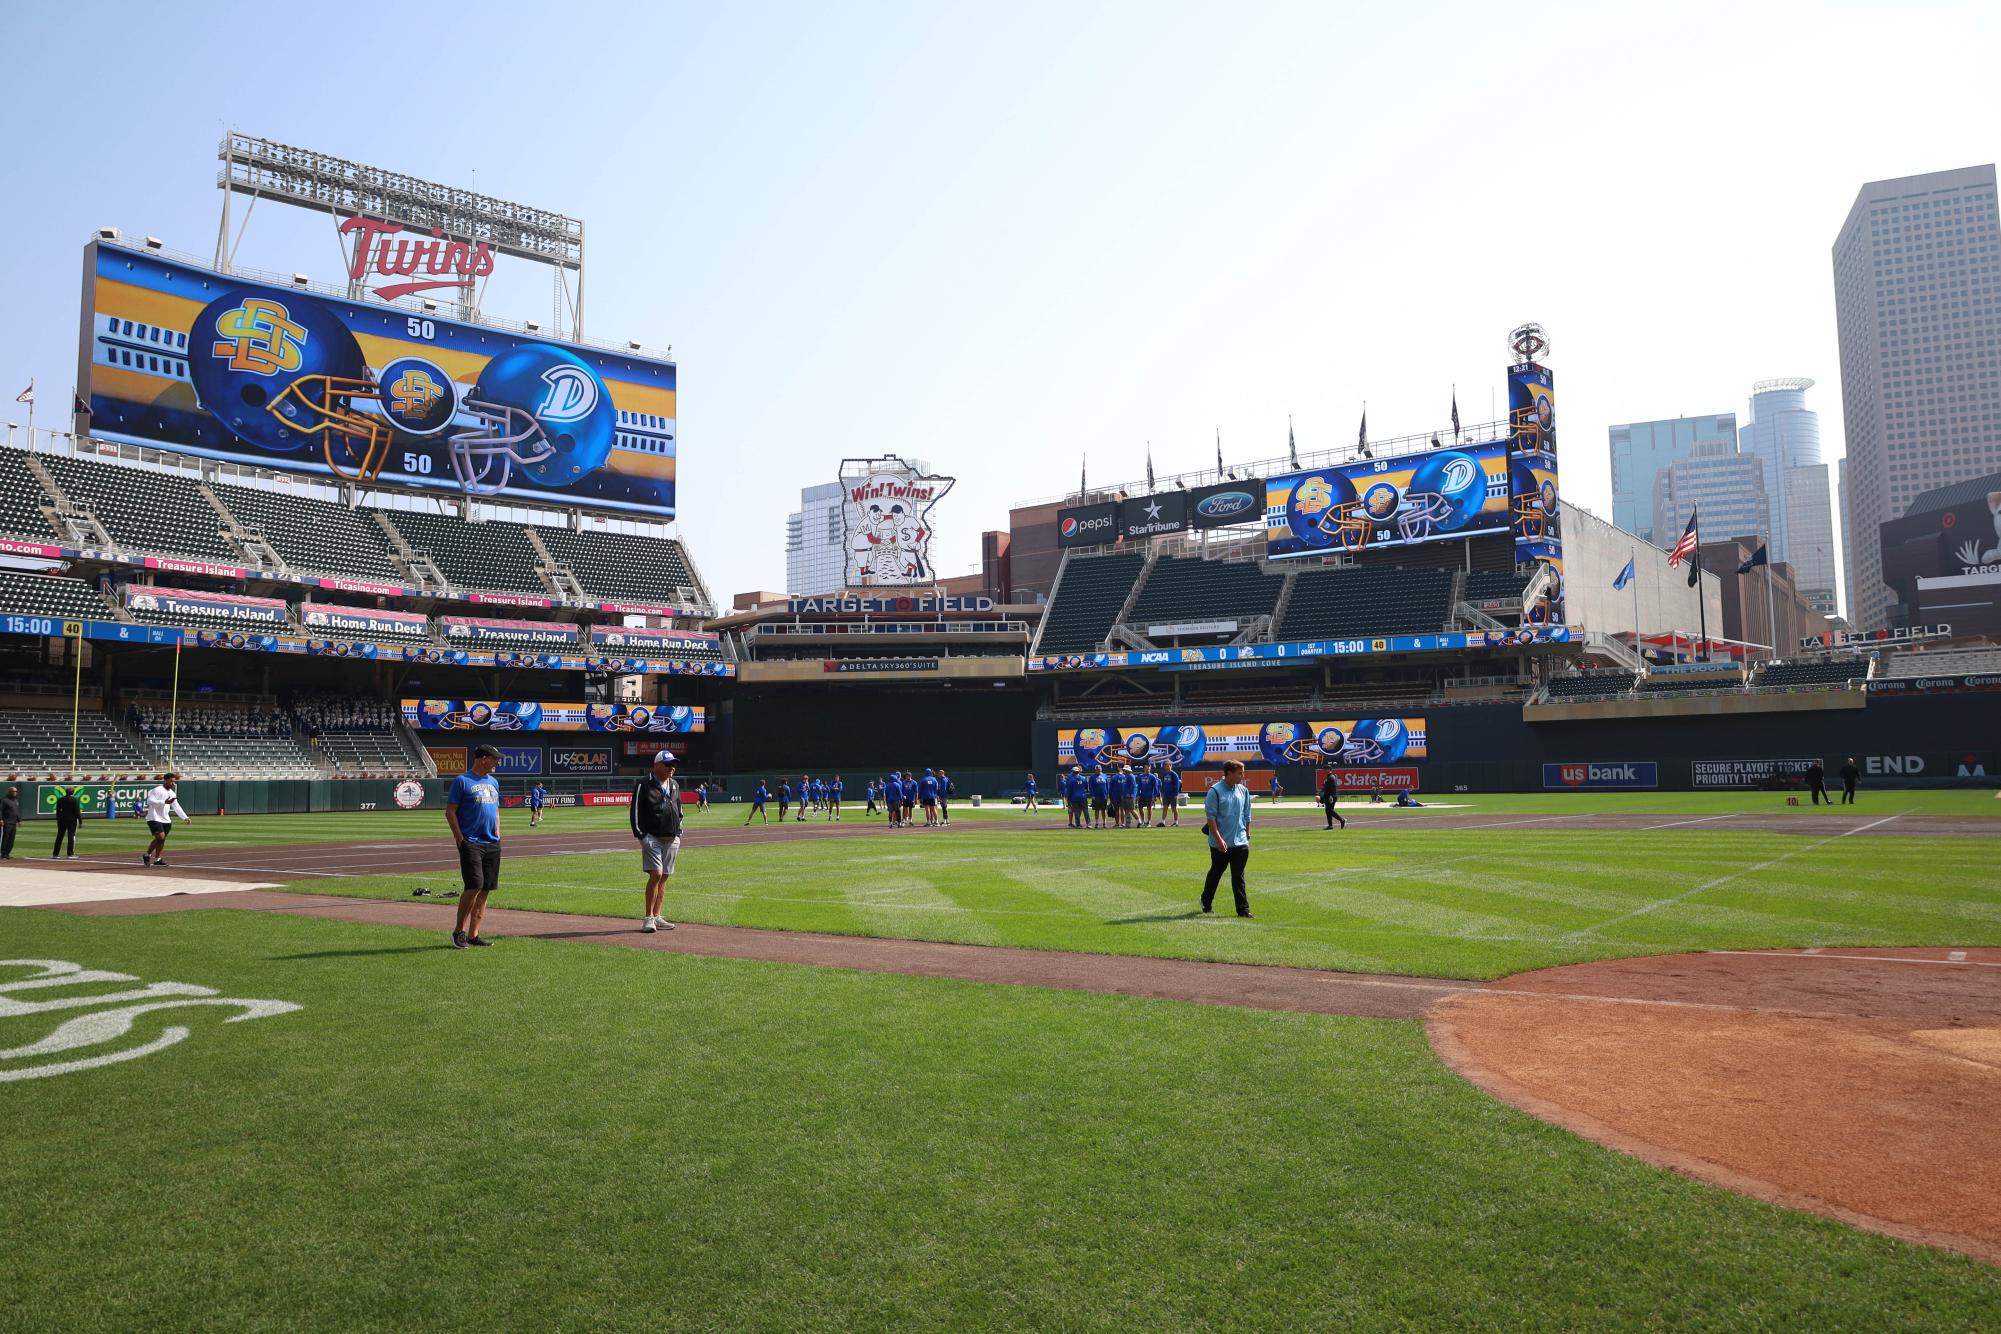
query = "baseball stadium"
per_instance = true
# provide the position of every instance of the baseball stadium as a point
(1621, 945)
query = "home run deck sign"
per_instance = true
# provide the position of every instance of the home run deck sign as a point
(66, 1032)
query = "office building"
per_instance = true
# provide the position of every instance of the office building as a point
(1917, 298)
(1784, 435)
(816, 544)
(1641, 450)
(1724, 487)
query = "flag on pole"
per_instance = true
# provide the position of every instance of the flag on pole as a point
(1291, 445)
(81, 408)
(1149, 465)
(1083, 473)
(1625, 576)
(1758, 557)
(27, 395)
(1684, 548)
(1362, 436)
(1219, 453)
(1455, 412)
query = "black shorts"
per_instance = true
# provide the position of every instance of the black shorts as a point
(479, 866)
(160, 826)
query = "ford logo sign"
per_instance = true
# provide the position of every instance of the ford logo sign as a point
(1224, 504)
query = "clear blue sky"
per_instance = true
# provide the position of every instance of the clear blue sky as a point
(1001, 237)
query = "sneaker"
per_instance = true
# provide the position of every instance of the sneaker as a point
(480, 941)
(145, 859)
(646, 925)
(1245, 914)
(663, 924)
(159, 861)
(459, 940)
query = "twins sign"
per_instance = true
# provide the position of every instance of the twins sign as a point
(887, 514)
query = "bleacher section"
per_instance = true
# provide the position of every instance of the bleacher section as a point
(1591, 685)
(145, 509)
(21, 498)
(44, 595)
(1087, 602)
(495, 557)
(505, 644)
(1943, 662)
(355, 753)
(1495, 585)
(1805, 674)
(314, 536)
(34, 742)
(1691, 683)
(1357, 601)
(238, 757)
(623, 567)
(1183, 589)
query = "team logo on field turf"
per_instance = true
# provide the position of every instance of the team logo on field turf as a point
(54, 1032)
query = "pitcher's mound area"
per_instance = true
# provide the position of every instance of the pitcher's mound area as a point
(1862, 1084)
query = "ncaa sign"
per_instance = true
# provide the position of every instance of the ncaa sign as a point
(1602, 774)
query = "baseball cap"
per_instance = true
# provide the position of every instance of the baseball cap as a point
(663, 757)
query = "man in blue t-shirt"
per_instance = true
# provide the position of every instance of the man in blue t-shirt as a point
(1149, 789)
(784, 799)
(1170, 794)
(1101, 789)
(892, 799)
(472, 810)
(927, 792)
(834, 798)
(536, 796)
(758, 796)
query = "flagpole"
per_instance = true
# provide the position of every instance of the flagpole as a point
(1701, 603)
(75, 700)
(174, 707)
(1631, 554)
(1771, 608)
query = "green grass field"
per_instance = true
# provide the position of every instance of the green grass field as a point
(555, 1134)
(551, 1134)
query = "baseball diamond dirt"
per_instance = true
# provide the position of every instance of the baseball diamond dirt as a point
(1855, 1083)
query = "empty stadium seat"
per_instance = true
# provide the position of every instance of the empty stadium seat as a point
(34, 741)
(21, 498)
(1087, 601)
(1943, 662)
(48, 595)
(314, 536)
(1592, 685)
(145, 509)
(495, 557)
(1183, 589)
(1691, 683)
(624, 567)
(1495, 585)
(1827, 672)
(1359, 601)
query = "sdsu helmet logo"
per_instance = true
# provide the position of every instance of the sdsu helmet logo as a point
(573, 393)
(418, 397)
(540, 409)
(1446, 491)
(260, 337)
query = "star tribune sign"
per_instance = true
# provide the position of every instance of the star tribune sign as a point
(887, 515)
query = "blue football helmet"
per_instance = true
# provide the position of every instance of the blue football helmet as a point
(1446, 490)
(538, 408)
(1324, 510)
(280, 371)
(1532, 499)
(1376, 741)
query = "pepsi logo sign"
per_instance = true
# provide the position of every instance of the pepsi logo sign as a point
(1069, 528)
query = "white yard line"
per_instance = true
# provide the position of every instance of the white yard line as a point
(1672, 824)
(1957, 960)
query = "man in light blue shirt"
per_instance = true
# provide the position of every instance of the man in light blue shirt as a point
(1227, 809)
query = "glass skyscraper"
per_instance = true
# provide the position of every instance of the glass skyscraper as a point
(1784, 435)
(1917, 297)
(1641, 451)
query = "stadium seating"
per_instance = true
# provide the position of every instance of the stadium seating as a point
(228, 757)
(145, 509)
(1362, 600)
(34, 741)
(46, 595)
(1181, 588)
(1826, 672)
(1493, 585)
(506, 644)
(495, 557)
(354, 753)
(1087, 601)
(21, 498)
(1691, 683)
(314, 536)
(624, 567)
(1943, 662)
(1592, 685)
(198, 620)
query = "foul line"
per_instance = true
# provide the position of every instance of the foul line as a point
(1673, 824)
(1960, 962)
(1726, 879)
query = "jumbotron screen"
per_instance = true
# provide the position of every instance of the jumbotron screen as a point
(181, 357)
(1442, 493)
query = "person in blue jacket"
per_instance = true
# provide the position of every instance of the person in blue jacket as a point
(1170, 792)
(834, 798)
(1149, 792)
(759, 795)
(1028, 794)
(927, 794)
(784, 799)
(1101, 791)
(892, 799)
(1076, 796)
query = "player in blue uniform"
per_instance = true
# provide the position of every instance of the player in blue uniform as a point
(946, 791)
(1101, 791)
(834, 797)
(784, 799)
(1170, 793)
(536, 796)
(1149, 791)
(759, 795)
(909, 800)
(892, 799)
(1028, 794)
(1075, 794)
(927, 793)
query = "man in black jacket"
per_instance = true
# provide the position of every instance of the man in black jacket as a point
(1816, 783)
(1850, 775)
(656, 823)
(10, 822)
(1330, 795)
(69, 815)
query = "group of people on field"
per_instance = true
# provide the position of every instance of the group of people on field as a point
(1118, 797)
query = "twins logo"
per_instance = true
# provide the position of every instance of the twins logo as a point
(573, 393)
(110, 1028)
(260, 336)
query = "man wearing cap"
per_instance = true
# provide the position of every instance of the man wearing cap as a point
(656, 823)
(472, 809)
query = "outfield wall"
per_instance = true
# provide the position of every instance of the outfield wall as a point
(1917, 741)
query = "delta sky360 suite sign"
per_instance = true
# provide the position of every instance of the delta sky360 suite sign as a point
(184, 358)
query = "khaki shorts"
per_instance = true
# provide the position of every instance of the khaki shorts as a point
(657, 856)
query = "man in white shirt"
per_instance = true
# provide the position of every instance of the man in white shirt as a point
(162, 805)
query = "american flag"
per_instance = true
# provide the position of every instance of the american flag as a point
(1686, 546)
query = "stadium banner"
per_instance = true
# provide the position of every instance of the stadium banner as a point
(607, 798)
(328, 616)
(185, 602)
(670, 667)
(1402, 501)
(1254, 655)
(1351, 782)
(451, 760)
(548, 799)
(639, 609)
(52, 627)
(475, 627)
(886, 516)
(511, 600)
(596, 760)
(1533, 501)
(639, 748)
(1146, 516)
(519, 761)
(1932, 685)
(688, 641)
(1602, 774)
(180, 357)
(251, 642)
(1745, 773)
(494, 715)
(175, 565)
(885, 606)
(1224, 504)
(341, 648)
(1087, 525)
(847, 666)
(93, 797)
(11, 547)
(1346, 741)
(342, 584)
